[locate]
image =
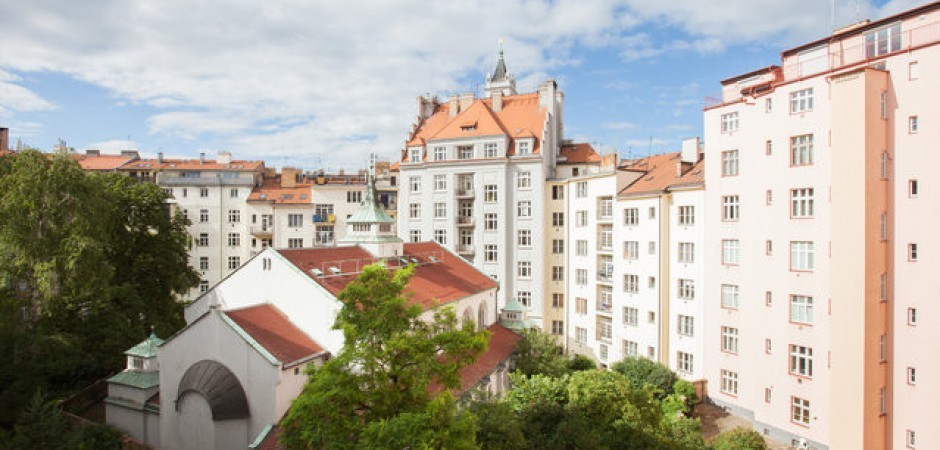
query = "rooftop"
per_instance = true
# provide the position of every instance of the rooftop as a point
(502, 345)
(660, 174)
(146, 348)
(272, 192)
(580, 153)
(271, 329)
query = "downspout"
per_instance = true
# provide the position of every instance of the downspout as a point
(665, 199)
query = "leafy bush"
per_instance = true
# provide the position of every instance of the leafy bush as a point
(739, 439)
(642, 371)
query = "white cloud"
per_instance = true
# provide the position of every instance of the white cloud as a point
(623, 125)
(14, 97)
(114, 146)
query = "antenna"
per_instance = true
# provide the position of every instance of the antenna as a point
(832, 15)
(649, 150)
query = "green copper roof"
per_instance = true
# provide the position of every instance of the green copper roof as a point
(369, 211)
(514, 306)
(133, 378)
(518, 325)
(147, 348)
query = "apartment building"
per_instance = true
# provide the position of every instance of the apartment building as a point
(474, 174)
(634, 234)
(819, 243)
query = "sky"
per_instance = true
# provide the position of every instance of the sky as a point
(323, 84)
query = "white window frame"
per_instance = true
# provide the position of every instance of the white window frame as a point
(730, 339)
(801, 361)
(802, 204)
(729, 163)
(801, 309)
(802, 256)
(801, 101)
(801, 150)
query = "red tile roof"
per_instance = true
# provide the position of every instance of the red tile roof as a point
(660, 173)
(102, 162)
(271, 191)
(434, 283)
(502, 344)
(270, 327)
(194, 164)
(520, 117)
(580, 153)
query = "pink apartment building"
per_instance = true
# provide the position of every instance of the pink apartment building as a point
(820, 215)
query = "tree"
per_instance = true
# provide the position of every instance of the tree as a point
(537, 353)
(643, 371)
(378, 385)
(42, 425)
(580, 362)
(739, 439)
(499, 427)
(89, 263)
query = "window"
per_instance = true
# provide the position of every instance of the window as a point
(631, 217)
(652, 282)
(768, 395)
(465, 152)
(686, 215)
(524, 269)
(234, 216)
(414, 155)
(883, 41)
(295, 243)
(630, 315)
(558, 327)
(415, 183)
(605, 208)
(605, 328)
(684, 362)
(768, 105)
(524, 238)
(729, 296)
(203, 263)
(911, 438)
(558, 219)
(686, 252)
(730, 251)
(203, 286)
(769, 247)
(490, 253)
(524, 208)
(295, 220)
(729, 163)
(490, 222)
(801, 361)
(730, 208)
(629, 349)
(686, 289)
(233, 193)
(234, 262)
(524, 297)
(558, 300)
(912, 252)
(799, 411)
(913, 71)
(522, 148)
(729, 122)
(770, 197)
(912, 188)
(204, 192)
(354, 197)
(768, 147)
(652, 212)
(580, 305)
(801, 309)
(580, 218)
(729, 382)
(912, 124)
(631, 283)
(686, 325)
(414, 210)
(801, 203)
(524, 180)
(203, 215)
(234, 239)
(801, 150)
(631, 250)
(581, 247)
(440, 153)
(558, 192)
(802, 256)
(558, 246)
(440, 236)
(912, 316)
(911, 375)
(581, 277)
(883, 279)
(580, 335)
(489, 193)
(884, 105)
(801, 101)
(415, 235)
(203, 240)
(440, 210)
(581, 189)
(490, 150)
(440, 182)
(729, 339)
(651, 246)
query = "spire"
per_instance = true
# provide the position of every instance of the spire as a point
(500, 73)
(369, 211)
(501, 81)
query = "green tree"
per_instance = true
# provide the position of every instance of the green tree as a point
(537, 353)
(379, 383)
(88, 263)
(643, 371)
(739, 439)
(580, 362)
(42, 425)
(499, 427)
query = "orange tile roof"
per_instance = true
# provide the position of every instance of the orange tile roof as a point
(433, 283)
(102, 162)
(579, 153)
(272, 192)
(520, 117)
(502, 345)
(659, 174)
(395, 167)
(194, 164)
(271, 328)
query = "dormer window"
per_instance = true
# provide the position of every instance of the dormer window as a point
(362, 226)
(137, 363)
(415, 156)
(523, 148)
(468, 127)
(465, 152)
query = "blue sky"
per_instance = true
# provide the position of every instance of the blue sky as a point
(321, 84)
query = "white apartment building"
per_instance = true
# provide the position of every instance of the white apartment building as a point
(819, 246)
(473, 177)
(634, 235)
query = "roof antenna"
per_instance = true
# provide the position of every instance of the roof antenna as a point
(649, 150)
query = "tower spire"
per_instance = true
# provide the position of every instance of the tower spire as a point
(500, 80)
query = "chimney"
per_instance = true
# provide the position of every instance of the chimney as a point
(426, 104)
(690, 148)
(453, 105)
(202, 157)
(547, 93)
(4, 138)
(89, 152)
(225, 158)
(497, 97)
(130, 154)
(609, 162)
(289, 177)
(466, 100)
(160, 157)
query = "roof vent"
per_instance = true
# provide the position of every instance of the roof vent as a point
(432, 258)
(317, 272)
(415, 260)
(334, 270)
(403, 260)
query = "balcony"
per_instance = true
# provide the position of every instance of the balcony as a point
(605, 305)
(606, 247)
(465, 221)
(262, 230)
(464, 192)
(605, 276)
(324, 218)
(465, 250)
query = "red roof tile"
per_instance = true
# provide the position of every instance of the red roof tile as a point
(194, 164)
(102, 162)
(433, 283)
(271, 191)
(502, 344)
(579, 153)
(270, 327)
